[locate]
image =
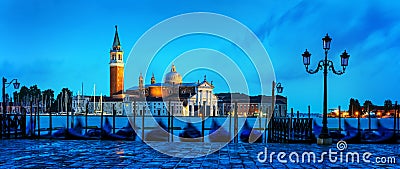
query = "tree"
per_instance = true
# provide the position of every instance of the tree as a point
(60, 100)
(34, 91)
(354, 107)
(388, 105)
(48, 95)
(368, 106)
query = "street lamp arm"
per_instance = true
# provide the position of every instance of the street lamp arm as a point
(319, 67)
(332, 67)
(8, 83)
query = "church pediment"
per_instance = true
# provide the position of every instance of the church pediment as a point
(205, 84)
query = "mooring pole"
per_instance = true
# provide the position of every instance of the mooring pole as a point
(143, 112)
(369, 118)
(134, 114)
(169, 119)
(235, 124)
(172, 124)
(31, 123)
(395, 117)
(114, 114)
(230, 122)
(38, 117)
(86, 117)
(101, 122)
(340, 120)
(202, 121)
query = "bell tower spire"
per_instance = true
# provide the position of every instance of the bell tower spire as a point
(116, 44)
(116, 66)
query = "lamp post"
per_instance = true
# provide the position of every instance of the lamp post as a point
(279, 89)
(325, 65)
(4, 83)
(16, 86)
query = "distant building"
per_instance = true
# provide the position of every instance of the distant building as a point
(250, 105)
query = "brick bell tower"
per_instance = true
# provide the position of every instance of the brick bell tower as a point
(116, 67)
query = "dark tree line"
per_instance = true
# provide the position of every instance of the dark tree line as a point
(355, 106)
(33, 94)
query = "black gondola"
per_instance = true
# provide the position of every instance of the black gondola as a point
(353, 135)
(382, 136)
(158, 134)
(247, 134)
(127, 131)
(190, 134)
(218, 134)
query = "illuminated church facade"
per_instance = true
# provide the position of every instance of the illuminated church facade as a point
(172, 96)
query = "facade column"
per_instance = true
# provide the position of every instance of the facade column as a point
(197, 96)
(192, 110)
(201, 98)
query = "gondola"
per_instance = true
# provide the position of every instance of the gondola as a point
(127, 131)
(158, 134)
(316, 129)
(74, 133)
(353, 135)
(190, 134)
(247, 134)
(382, 136)
(218, 134)
(336, 135)
(106, 133)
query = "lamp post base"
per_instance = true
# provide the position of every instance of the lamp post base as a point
(324, 141)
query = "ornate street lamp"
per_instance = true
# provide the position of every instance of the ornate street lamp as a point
(279, 88)
(4, 83)
(325, 65)
(16, 86)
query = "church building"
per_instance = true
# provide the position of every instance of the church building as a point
(181, 99)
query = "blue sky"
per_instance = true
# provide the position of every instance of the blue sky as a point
(57, 44)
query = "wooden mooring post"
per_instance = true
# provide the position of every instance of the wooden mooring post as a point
(38, 119)
(134, 115)
(143, 112)
(172, 124)
(203, 121)
(86, 117)
(235, 124)
(114, 113)
(101, 123)
(230, 124)
(340, 119)
(395, 117)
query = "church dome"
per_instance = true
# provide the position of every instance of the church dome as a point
(173, 77)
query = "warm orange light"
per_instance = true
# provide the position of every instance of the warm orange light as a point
(356, 113)
(156, 91)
